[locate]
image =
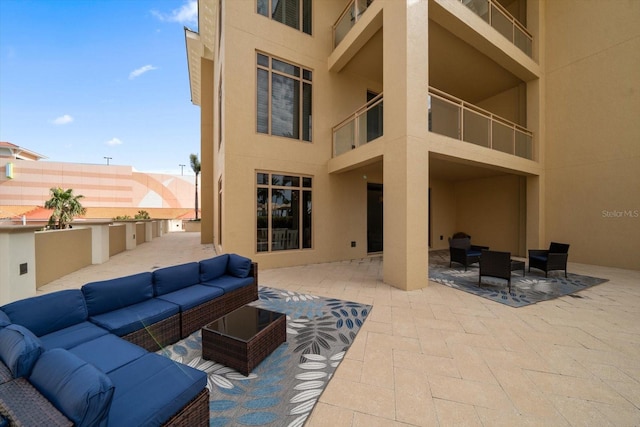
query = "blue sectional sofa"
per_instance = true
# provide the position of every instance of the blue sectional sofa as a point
(84, 357)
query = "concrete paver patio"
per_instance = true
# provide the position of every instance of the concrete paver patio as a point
(438, 356)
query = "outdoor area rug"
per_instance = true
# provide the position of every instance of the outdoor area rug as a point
(530, 289)
(285, 387)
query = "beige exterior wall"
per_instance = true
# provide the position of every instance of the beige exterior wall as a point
(593, 132)
(401, 49)
(60, 252)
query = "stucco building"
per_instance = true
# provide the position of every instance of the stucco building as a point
(334, 129)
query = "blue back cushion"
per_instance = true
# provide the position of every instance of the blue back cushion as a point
(50, 312)
(212, 268)
(238, 266)
(4, 319)
(114, 294)
(19, 349)
(79, 390)
(174, 278)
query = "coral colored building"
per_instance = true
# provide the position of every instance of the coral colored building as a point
(25, 181)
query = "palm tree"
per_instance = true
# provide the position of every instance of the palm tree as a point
(195, 166)
(65, 207)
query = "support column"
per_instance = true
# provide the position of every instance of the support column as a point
(406, 156)
(207, 149)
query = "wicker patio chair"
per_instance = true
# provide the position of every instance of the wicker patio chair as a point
(495, 264)
(554, 258)
(463, 252)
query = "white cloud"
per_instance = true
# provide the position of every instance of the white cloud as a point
(186, 14)
(113, 142)
(140, 71)
(62, 120)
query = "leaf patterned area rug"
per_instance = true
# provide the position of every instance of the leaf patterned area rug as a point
(285, 387)
(529, 289)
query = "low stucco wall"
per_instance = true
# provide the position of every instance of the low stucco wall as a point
(60, 252)
(140, 233)
(117, 239)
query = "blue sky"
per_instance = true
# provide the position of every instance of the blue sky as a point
(81, 80)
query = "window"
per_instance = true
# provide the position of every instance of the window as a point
(283, 99)
(294, 13)
(283, 212)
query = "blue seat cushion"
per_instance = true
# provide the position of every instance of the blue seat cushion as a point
(110, 295)
(108, 352)
(19, 349)
(192, 296)
(79, 390)
(213, 268)
(46, 313)
(541, 258)
(169, 279)
(73, 335)
(230, 283)
(134, 317)
(151, 389)
(238, 266)
(473, 253)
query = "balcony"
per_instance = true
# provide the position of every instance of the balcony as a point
(361, 127)
(458, 119)
(501, 20)
(348, 19)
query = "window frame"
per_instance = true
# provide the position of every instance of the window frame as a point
(303, 77)
(304, 190)
(302, 6)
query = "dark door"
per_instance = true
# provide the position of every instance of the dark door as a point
(374, 119)
(374, 218)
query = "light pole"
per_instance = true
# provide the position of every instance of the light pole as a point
(182, 169)
(107, 159)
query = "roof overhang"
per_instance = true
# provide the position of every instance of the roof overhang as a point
(200, 44)
(194, 53)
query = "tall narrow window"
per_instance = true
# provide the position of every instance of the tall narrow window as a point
(283, 206)
(294, 13)
(283, 99)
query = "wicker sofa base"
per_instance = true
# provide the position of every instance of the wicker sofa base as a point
(158, 335)
(23, 405)
(197, 317)
(195, 413)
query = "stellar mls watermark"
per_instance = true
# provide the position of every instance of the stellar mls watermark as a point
(628, 213)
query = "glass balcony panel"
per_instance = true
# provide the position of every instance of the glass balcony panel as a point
(522, 41)
(479, 7)
(501, 23)
(370, 126)
(444, 118)
(502, 138)
(344, 25)
(476, 128)
(524, 145)
(344, 138)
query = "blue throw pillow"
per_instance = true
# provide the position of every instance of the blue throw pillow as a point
(238, 266)
(212, 268)
(78, 389)
(19, 349)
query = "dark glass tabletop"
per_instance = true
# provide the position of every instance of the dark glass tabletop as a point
(243, 323)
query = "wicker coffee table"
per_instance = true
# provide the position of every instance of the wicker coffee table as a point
(244, 337)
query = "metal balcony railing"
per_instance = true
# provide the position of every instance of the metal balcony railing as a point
(458, 119)
(500, 19)
(361, 127)
(350, 15)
